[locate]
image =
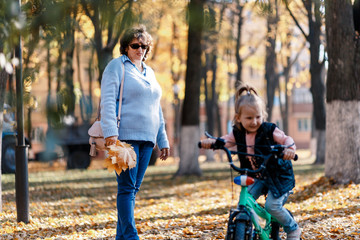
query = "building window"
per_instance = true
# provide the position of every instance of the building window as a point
(302, 95)
(304, 124)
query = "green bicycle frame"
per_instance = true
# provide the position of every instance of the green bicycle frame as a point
(247, 200)
(247, 204)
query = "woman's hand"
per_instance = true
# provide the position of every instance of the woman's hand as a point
(206, 143)
(165, 152)
(288, 154)
(110, 140)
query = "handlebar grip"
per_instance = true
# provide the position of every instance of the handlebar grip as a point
(211, 147)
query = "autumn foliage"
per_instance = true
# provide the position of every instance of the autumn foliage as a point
(120, 157)
(82, 205)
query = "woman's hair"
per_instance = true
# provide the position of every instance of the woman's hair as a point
(139, 33)
(247, 96)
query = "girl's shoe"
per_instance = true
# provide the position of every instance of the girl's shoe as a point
(294, 235)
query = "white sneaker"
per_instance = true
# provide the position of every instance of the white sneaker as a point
(294, 235)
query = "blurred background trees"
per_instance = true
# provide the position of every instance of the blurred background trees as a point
(277, 46)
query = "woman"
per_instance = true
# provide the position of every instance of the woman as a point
(142, 124)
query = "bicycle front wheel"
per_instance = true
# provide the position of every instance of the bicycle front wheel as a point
(243, 231)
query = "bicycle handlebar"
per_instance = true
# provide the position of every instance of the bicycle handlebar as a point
(276, 151)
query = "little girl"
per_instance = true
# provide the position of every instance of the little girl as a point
(251, 134)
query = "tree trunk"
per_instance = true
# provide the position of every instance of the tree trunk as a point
(69, 82)
(85, 101)
(271, 74)
(175, 75)
(342, 141)
(314, 16)
(284, 107)
(104, 51)
(69, 48)
(210, 46)
(317, 82)
(239, 61)
(212, 106)
(216, 108)
(3, 78)
(189, 152)
(208, 101)
(104, 57)
(320, 136)
(190, 135)
(343, 94)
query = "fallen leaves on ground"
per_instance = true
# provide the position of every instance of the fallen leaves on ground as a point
(82, 205)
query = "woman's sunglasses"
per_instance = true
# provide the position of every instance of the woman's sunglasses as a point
(136, 46)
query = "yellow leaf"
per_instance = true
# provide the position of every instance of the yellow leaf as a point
(121, 156)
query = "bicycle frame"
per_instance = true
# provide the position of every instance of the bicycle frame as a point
(248, 210)
(246, 200)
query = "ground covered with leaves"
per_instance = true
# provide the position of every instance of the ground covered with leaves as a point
(82, 205)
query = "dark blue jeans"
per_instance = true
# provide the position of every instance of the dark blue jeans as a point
(128, 185)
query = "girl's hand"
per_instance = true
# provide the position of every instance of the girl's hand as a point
(110, 140)
(206, 143)
(165, 152)
(289, 154)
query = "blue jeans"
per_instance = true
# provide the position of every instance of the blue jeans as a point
(274, 206)
(129, 183)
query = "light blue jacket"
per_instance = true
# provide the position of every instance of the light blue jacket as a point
(141, 113)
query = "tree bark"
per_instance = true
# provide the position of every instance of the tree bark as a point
(175, 53)
(284, 108)
(271, 73)
(210, 46)
(208, 100)
(342, 141)
(69, 77)
(3, 78)
(343, 94)
(239, 60)
(189, 152)
(317, 82)
(190, 134)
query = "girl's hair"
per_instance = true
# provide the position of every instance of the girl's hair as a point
(247, 96)
(139, 33)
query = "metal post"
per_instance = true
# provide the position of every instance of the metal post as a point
(21, 156)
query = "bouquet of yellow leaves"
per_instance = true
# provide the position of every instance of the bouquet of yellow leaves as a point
(120, 157)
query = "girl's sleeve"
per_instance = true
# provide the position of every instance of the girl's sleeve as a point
(281, 138)
(161, 139)
(230, 140)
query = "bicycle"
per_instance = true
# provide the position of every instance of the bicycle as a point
(244, 222)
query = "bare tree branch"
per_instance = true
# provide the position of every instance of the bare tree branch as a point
(296, 21)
